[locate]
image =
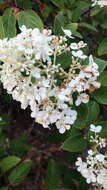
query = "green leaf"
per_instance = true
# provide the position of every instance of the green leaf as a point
(30, 19)
(4, 188)
(92, 116)
(73, 132)
(74, 144)
(76, 14)
(102, 47)
(9, 162)
(101, 64)
(88, 26)
(104, 24)
(82, 4)
(2, 1)
(95, 10)
(103, 78)
(20, 147)
(23, 4)
(60, 21)
(100, 95)
(88, 117)
(58, 3)
(64, 59)
(73, 27)
(9, 23)
(53, 175)
(2, 33)
(69, 2)
(19, 173)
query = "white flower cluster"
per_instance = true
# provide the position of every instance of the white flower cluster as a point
(31, 74)
(94, 169)
(101, 3)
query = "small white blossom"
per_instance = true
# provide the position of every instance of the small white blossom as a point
(79, 54)
(67, 33)
(101, 3)
(100, 157)
(95, 129)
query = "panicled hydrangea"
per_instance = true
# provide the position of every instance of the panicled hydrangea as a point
(94, 169)
(101, 3)
(31, 74)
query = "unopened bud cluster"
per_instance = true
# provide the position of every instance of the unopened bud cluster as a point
(32, 74)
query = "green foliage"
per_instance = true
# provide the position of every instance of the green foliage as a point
(2, 2)
(60, 21)
(53, 175)
(101, 64)
(9, 23)
(73, 180)
(30, 19)
(19, 173)
(102, 47)
(20, 147)
(58, 3)
(23, 4)
(88, 117)
(65, 59)
(74, 144)
(95, 10)
(2, 33)
(103, 78)
(73, 27)
(100, 95)
(3, 188)
(9, 162)
(88, 26)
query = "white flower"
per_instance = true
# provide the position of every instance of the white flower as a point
(33, 57)
(90, 152)
(102, 178)
(79, 54)
(82, 98)
(64, 94)
(74, 46)
(101, 3)
(100, 157)
(29, 51)
(67, 33)
(36, 73)
(95, 129)
(23, 28)
(81, 44)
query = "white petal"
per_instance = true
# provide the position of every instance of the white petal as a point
(98, 129)
(62, 130)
